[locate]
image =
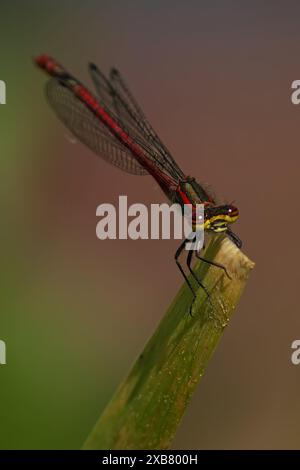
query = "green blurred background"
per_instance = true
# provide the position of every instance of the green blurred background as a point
(214, 78)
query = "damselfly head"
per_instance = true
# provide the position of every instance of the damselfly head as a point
(217, 218)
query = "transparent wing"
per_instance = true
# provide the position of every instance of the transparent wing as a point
(115, 95)
(81, 121)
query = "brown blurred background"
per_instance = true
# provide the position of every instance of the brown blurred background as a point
(214, 79)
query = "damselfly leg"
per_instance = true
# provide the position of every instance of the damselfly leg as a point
(234, 238)
(213, 263)
(188, 262)
(177, 254)
(189, 259)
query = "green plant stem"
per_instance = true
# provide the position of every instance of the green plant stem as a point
(147, 408)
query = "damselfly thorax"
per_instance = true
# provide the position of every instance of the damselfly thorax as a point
(216, 217)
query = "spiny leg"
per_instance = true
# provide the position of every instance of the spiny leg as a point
(188, 262)
(218, 265)
(234, 238)
(214, 263)
(177, 254)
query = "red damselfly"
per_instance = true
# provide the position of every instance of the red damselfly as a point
(114, 127)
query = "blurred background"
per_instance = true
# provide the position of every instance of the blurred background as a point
(214, 78)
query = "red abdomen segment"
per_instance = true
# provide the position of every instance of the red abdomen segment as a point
(54, 69)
